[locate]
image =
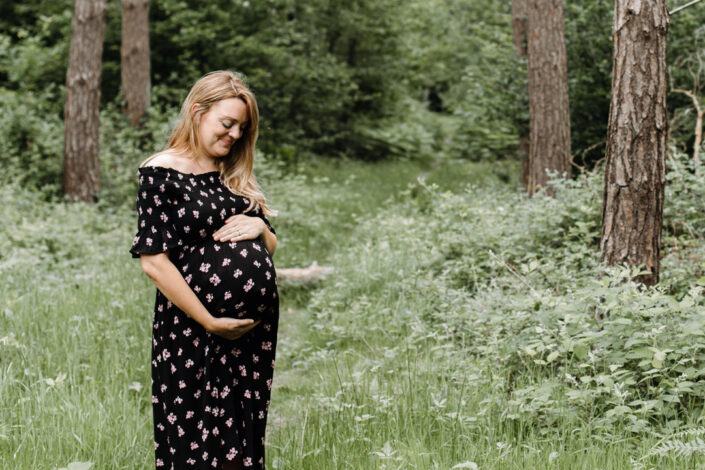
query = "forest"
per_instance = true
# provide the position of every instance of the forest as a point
(505, 200)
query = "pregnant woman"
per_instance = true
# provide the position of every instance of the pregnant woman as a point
(204, 240)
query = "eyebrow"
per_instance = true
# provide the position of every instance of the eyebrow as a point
(233, 119)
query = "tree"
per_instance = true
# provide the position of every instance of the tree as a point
(632, 208)
(549, 134)
(134, 58)
(81, 178)
(520, 42)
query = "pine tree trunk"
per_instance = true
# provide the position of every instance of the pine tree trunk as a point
(81, 178)
(632, 209)
(134, 53)
(519, 26)
(548, 92)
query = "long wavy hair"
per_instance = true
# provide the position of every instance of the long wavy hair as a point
(236, 167)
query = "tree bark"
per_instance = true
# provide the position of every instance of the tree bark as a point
(134, 54)
(632, 209)
(81, 177)
(549, 134)
(519, 28)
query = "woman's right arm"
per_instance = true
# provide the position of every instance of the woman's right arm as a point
(171, 283)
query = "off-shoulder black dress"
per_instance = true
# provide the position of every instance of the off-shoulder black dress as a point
(210, 395)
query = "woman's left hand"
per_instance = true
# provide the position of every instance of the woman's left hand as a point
(240, 227)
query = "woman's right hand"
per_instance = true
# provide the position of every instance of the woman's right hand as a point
(230, 328)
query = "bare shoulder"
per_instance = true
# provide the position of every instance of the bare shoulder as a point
(166, 159)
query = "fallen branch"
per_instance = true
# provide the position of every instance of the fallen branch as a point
(312, 274)
(683, 7)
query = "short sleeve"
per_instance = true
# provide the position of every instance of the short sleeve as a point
(155, 229)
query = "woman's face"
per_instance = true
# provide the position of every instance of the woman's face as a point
(221, 126)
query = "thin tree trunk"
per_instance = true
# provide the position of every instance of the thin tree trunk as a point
(548, 93)
(519, 27)
(632, 209)
(81, 178)
(134, 54)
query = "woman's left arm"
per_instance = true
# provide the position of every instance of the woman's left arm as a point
(244, 227)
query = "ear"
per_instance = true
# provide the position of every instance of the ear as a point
(194, 108)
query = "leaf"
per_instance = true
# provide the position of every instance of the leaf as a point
(467, 464)
(552, 357)
(78, 466)
(580, 350)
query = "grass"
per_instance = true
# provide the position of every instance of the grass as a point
(365, 378)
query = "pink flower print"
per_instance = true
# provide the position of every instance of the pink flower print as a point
(164, 217)
(172, 335)
(255, 358)
(269, 262)
(209, 220)
(189, 363)
(205, 267)
(263, 290)
(243, 370)
(225, 392)
(200, 203)
(155, 400)
(171, 418)
(160, 463)
(181, 431)
(197, 288)
(144, 194)
(195, 342)
(247, 462)
(149, 210)
(194, 445)
(256, 247)
(150, 179)
(261, 414)
(231, 454)
(181, 212)
(223, 213)
(250, 284)
(192, 181)
(160, 307)
(255, 375)
(201, 250)
(197, 395)
(161, 427)
(157, 201)
(204, 434)
(182, 384)
(137, 238)
(214, 463)
(226, 261)
(216, 247)
(189, 414)
(243, 253)
(173, 368)
(148, 241)
(180, 351)
(166, 354)
(267, 345)
(216, 431)
(269, 384)
(237, 273)
(209, 297)
(186, 196)
(215, 280)
(176, 320)
(191, 462)
(227, 295)
(187, 332)
(256, 394)
(257, 263)
(246, 201)
(247, 394)
(229, 422)
(195, 214)
(187, 229)
(202, 233)
(178, 400)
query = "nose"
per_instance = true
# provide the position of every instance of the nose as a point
(235, 133)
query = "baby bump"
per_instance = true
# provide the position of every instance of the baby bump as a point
(231, 279)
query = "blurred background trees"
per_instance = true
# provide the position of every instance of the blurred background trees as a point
(357, 78)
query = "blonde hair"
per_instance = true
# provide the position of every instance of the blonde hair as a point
(236, 167)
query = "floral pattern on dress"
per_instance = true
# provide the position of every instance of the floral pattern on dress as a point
(210, 395)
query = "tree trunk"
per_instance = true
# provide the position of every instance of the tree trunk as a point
(548, 92)
(519, 27)
(632, 208)
(81, 179)
(134, 54)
